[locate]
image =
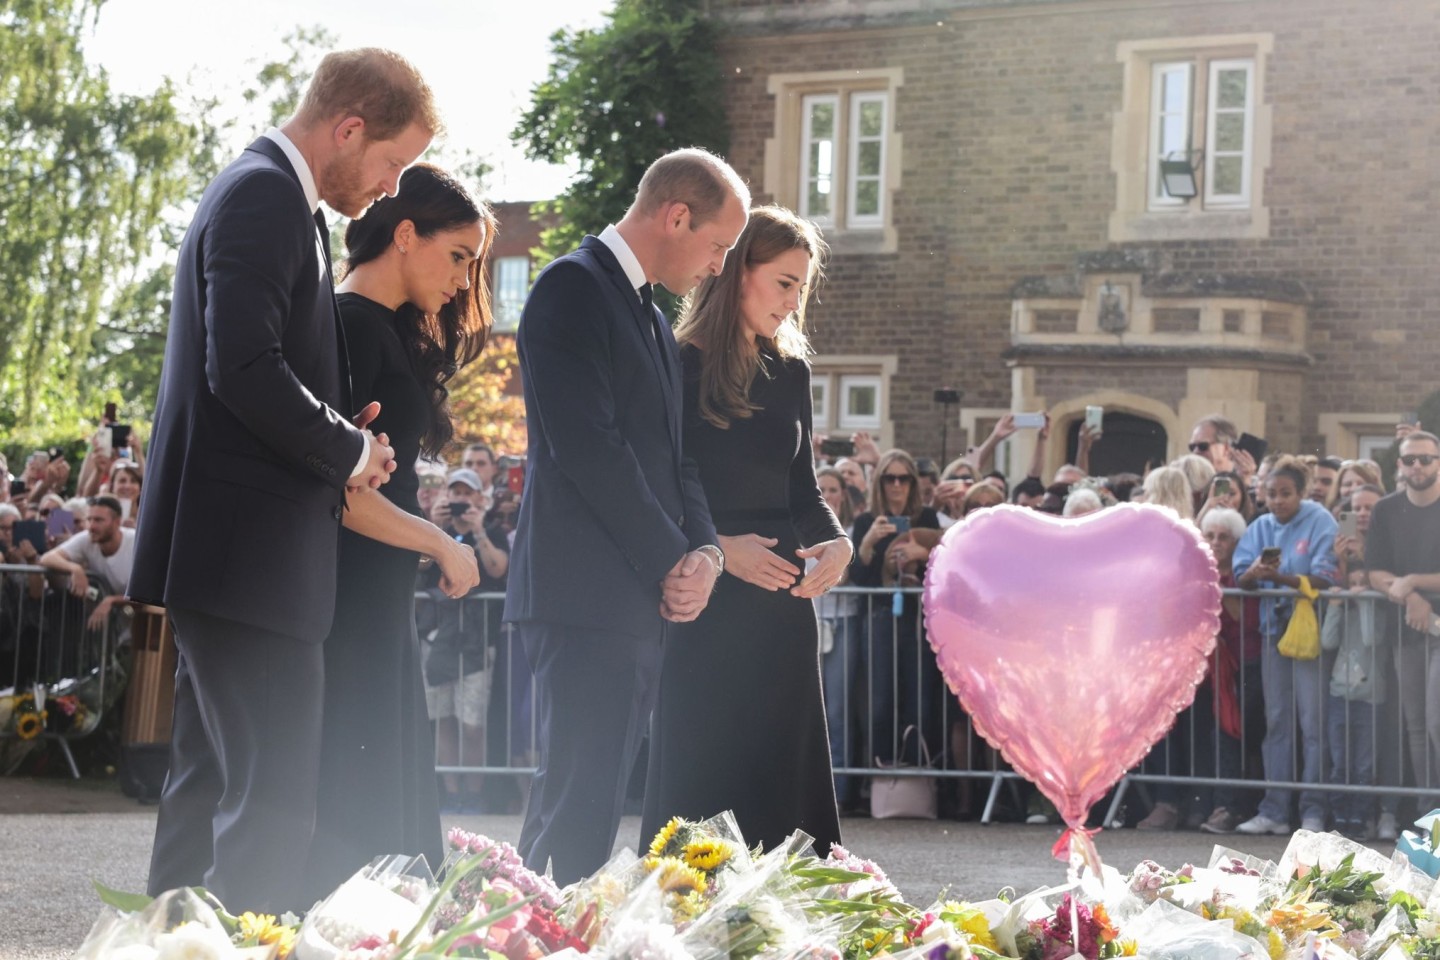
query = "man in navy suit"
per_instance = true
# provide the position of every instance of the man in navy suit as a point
(252, 452)
(614, 535)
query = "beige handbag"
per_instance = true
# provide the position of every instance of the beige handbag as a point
(914, 796)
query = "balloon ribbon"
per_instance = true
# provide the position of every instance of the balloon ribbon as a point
(1075, 843)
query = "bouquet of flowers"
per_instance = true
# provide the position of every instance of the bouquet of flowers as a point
(183, 925)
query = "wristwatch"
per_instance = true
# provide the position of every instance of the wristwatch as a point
(716, 554)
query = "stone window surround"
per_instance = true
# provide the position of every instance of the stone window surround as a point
(833, 366)
(782, 151)
(1342, 431)
(1132, 220)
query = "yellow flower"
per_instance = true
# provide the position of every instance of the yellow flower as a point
(977, 929)
(262, 928)
(1129, 948)
(666, 834)
(1294, 919)
(706, 854)
(29, 724)
(677, 877)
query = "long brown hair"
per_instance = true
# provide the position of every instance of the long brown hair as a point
(439, 344)
(711, 316)
(913, 503)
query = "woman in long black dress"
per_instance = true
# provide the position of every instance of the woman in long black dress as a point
(740, 722)
(415, 308)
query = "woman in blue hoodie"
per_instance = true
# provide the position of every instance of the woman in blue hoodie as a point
(1303, 533)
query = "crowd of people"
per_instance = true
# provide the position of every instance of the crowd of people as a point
(1333, 719)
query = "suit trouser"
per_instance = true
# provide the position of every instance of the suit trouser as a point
(594, 693)
(238, 809)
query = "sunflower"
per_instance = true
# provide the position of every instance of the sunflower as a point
(29, 724)
(262, 929)
(677, 877)
(706, 855)
(666, 834)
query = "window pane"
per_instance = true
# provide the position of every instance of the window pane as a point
(1229, 132)
(1173, 137)
(860, 401)
(1228, 176)
(1232, 90)
(867, 198)
(817, 397)
(872, 118)
(1175, 92)
(819, 200)
(869, 159)
(822, 157)
(822, 120)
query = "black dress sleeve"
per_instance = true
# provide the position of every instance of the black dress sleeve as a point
(864, 574)
(367, 354)
(814, 521)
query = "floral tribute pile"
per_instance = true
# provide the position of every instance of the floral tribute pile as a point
(698, 893)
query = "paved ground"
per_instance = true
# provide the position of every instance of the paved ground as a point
(56, 836)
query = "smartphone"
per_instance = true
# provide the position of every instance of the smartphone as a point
(1095, 420)
(60, 523)
(458, 508)
(110, 415)
(1254, 446)
(902, 524)
(32, 530)
(1029, 421)
(1348, 526)
(1410, 418)
(1222, 487)
(515, 480)
(17, 488)
(1270, 556)
(120, 439)
(837, 447)
(127, 507)
(104, 441)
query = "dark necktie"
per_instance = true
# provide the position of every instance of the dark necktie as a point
(647, 303)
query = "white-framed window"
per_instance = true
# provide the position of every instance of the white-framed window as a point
(1214, 119)
(820, 401)
(512, 286)
(842, 158)
(1200, 100)
(1229, 133)
(1371, 444)
(836, 156)
(859, 402)
(865, 176)
(818, 138)
(1169, 125)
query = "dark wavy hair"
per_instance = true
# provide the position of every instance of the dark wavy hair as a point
(438, 345)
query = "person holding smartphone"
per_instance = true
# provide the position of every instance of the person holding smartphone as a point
(894, 539)
(1296, 538)
(1227, 490)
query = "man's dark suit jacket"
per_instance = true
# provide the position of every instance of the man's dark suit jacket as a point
(610, 505)
(248, 460)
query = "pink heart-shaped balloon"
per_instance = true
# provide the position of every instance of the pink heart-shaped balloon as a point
(1073, 643)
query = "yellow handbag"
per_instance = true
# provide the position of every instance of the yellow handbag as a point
(1302, 636)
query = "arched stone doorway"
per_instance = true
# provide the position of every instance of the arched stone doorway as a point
(1130, 444)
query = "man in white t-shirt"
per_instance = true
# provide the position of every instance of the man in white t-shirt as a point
(105, 549)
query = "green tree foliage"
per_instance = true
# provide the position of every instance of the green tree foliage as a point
(615, 98)
(87, 176)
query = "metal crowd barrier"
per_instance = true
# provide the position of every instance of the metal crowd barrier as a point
(881, 680)
(57, 672)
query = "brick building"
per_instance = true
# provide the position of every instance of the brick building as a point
(990, 177)
(510, 262)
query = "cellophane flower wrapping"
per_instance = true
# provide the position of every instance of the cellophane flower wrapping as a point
(376, 907)
(1168, 932)
(177, 925)
(757, 912)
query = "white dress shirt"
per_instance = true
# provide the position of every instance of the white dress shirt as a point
(312, 197)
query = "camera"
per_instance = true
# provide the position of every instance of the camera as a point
(458, 508)
(947, 395)
(836, 447)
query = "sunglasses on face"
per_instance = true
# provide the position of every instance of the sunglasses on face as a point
(904, 478)
(1424, 459)
(1201, 447)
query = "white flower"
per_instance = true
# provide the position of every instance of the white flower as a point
(636, 940)
(193, 941)
(1428, 928)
